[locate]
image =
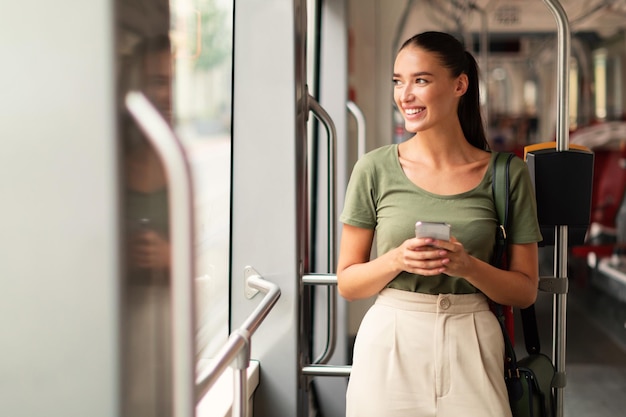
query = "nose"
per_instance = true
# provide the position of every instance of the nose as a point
(406, 94)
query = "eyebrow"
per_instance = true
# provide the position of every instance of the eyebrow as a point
(415, 74)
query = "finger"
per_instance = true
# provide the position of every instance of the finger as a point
(434, 270)
(419, 242)
(433, 253)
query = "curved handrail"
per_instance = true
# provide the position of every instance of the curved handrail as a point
(563, 58)
(237, 348)
(316, 369)
(180, 200)
(327, 121)
(360, 125)
(325, 118)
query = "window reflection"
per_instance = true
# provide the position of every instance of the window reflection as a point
(179, 54)
(146, 287)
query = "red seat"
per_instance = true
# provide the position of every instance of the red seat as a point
(609, 181)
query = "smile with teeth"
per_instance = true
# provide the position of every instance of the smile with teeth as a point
(411, 112)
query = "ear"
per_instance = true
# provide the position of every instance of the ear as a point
(462, 83)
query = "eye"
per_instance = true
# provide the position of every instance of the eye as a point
(421, 81)
(396, 82)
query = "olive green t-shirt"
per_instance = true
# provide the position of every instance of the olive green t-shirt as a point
(381, 197)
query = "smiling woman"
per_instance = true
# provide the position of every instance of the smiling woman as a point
(441, 174)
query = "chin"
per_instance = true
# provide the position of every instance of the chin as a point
(411, 128)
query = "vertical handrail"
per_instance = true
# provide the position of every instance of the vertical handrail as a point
(561, 231)
(170, 150)
(330, 281)
(236, 351)
(327, 121)
(562, 87)
(360, 128)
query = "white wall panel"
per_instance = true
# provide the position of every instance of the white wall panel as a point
(58, 216)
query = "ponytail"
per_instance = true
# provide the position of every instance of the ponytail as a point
(469, 107)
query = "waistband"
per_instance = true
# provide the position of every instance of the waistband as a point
(433, 303)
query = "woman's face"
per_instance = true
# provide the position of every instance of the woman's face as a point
(425, 91)
(157, 77)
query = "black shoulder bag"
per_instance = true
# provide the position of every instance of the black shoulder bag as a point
(529, 380)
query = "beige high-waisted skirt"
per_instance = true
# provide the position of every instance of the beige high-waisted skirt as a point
(421, 355)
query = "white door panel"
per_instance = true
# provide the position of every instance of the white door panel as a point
(58, 236)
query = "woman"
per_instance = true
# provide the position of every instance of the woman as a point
(430, 346)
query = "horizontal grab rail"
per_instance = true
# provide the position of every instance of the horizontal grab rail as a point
(327, 370)
(319, 279)
(237, 348)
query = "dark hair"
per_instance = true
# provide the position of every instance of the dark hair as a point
(454, 57)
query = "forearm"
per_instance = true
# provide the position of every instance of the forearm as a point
(363, 280)
(507, 287)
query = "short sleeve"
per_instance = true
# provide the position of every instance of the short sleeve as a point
(524, 226)
(360, 202)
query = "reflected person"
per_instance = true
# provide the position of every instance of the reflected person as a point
(147, 291)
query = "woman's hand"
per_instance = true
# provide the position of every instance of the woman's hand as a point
(455, 261)
(516, 286)
(150, 250)
(423, 256)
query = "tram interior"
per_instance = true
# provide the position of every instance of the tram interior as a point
(516, 46)
(77, 322)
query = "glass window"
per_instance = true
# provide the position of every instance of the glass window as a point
(178, 53)
(599, 65)
(201, 33)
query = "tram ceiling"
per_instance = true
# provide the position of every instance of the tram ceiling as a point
(604, 17)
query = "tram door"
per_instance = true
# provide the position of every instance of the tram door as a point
(280, 195)
(323, 312)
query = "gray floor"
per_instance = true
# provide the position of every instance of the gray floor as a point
(595, 349)
(595, 391)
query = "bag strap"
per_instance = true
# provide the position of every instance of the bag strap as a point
(501, 190)
(531, 334)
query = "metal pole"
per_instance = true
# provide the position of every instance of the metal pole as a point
(561, 232)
